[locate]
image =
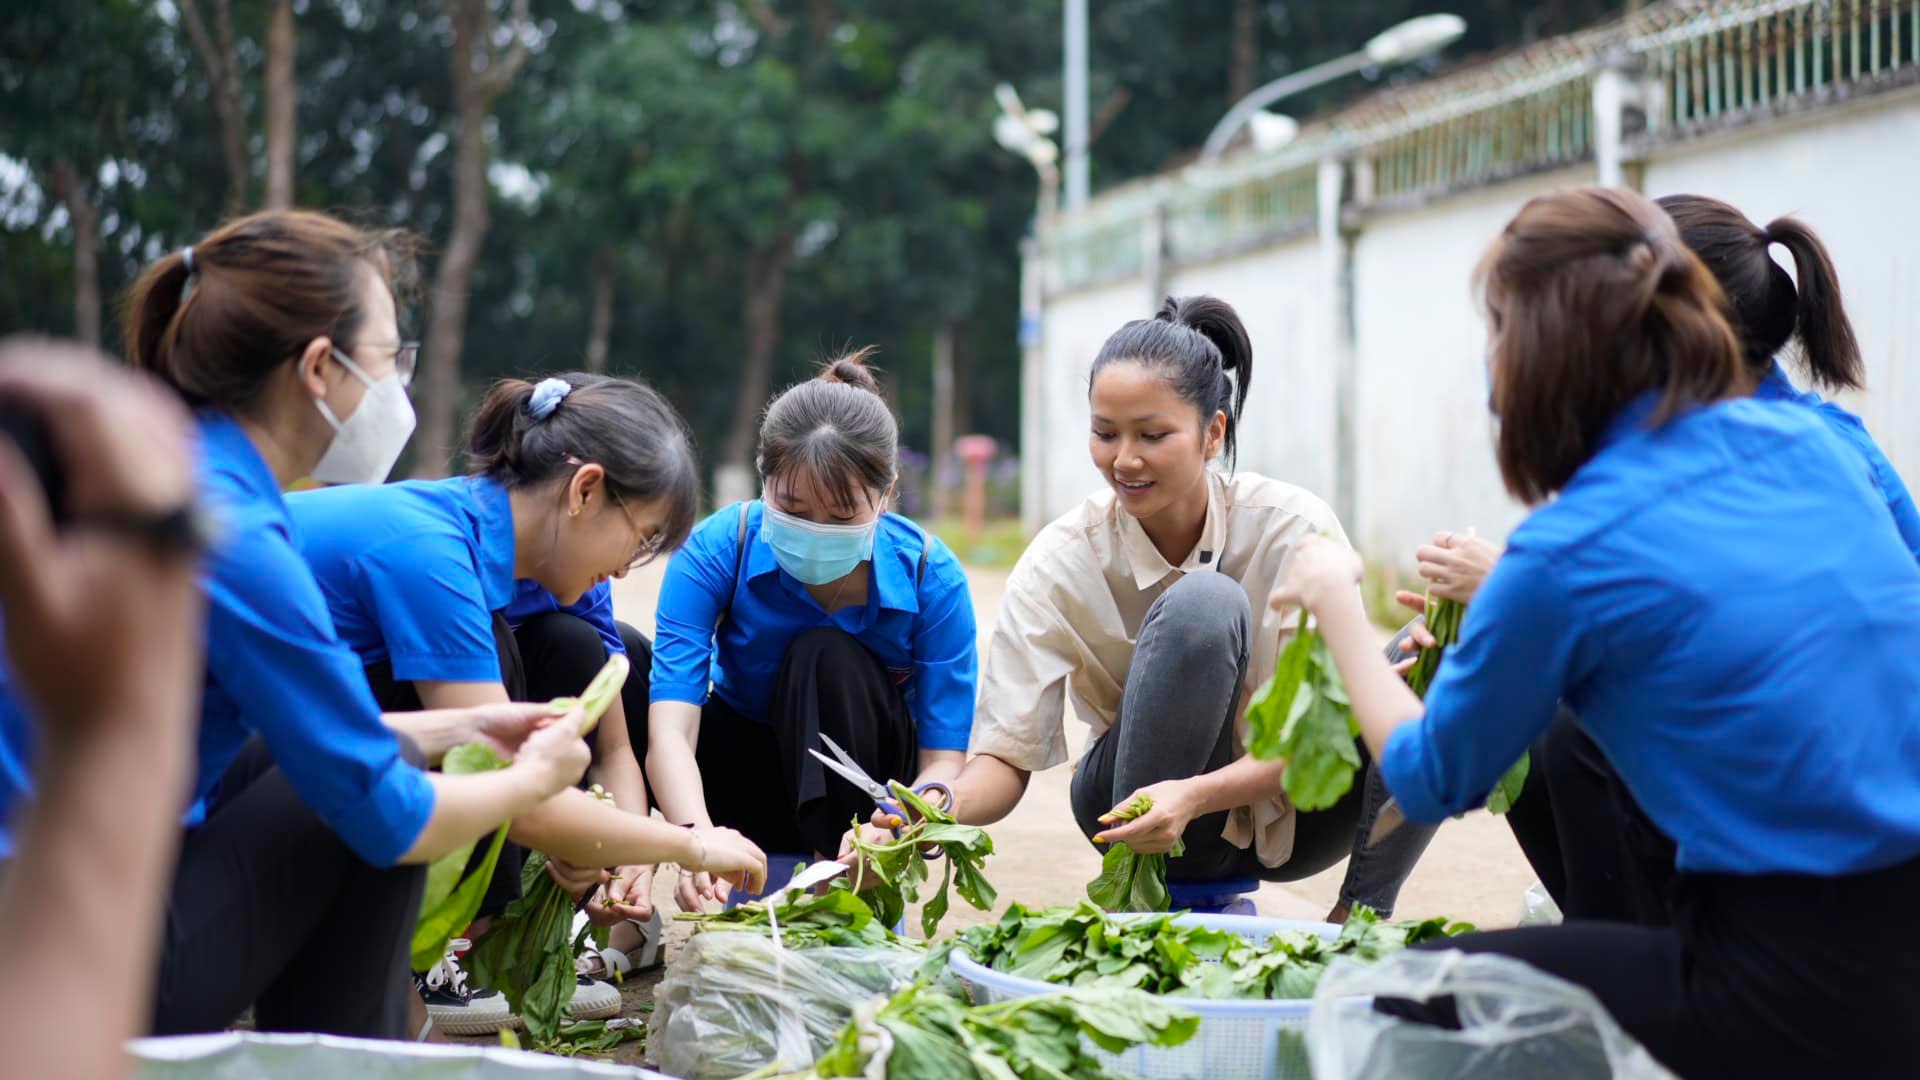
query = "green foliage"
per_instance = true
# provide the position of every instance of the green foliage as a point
(836, 917)
(1303, 714)
(528, 954)
(901, 864)
(1129, 881)
(445, 909)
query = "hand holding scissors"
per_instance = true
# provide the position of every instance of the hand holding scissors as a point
(850, 770)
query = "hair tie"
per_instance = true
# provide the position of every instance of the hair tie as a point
(547, 395)
(186, 256)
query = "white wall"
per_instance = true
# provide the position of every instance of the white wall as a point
(1076, 326)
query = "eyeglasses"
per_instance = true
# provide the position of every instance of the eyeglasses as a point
(648, 549)
(406, 357)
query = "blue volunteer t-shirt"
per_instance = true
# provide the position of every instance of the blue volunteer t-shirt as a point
(276, 667)
(1725, 603)
(1852, 431)
(530, 598)
(919, 623)
(413, 571)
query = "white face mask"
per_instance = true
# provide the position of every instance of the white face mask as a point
(366, 444)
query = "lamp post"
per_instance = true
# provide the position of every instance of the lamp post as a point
(1410, 40)
(1027, 132)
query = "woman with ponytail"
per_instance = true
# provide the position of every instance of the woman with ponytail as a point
(810, 613)
(1710, 583)
(1136, 611)
(573, 481)
(299, 877)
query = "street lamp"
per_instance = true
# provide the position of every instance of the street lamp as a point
(1028, 132)
(1410, 40)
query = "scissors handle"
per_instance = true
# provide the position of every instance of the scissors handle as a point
(888, 806)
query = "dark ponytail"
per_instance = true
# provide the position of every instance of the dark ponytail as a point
(1202, 346)
(835, 429)
(619, 424)
(1768, 309)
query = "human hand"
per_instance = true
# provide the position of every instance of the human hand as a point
(1456, 564)
(555, 754)
(630, 894)
(1160, 828)
(1318, 570)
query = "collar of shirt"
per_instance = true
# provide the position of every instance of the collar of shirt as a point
(894, 568)
(1777, 387)
(1149, 567)
(226, 448)
(1631, 419)
(493, 518)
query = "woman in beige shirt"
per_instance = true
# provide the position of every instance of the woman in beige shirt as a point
(1137, 610)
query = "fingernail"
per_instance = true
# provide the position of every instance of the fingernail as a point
(1100, 838)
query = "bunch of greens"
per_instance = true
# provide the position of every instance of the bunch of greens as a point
(1443, 622)
(579, 1037)
(804, 920)
(922, 1034)
(527, 954)
(1130, 881)
(1303, 714)
(1082, 947)
(450, 901)
(900, 864)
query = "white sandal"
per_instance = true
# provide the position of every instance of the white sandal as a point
(616, 964)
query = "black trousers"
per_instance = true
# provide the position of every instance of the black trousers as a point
(760, 779)
(1767, 975)
(270, 908)
(549, 656)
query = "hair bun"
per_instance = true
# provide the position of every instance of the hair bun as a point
(852, 370)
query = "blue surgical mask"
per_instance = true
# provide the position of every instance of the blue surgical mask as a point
(816, 553)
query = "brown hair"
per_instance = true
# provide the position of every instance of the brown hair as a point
(1594, 301)
(622, 425)
(835, 428)
(1768, 310)
(1200, 347)
(216, 324)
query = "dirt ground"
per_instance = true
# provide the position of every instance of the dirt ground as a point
(1472, 871)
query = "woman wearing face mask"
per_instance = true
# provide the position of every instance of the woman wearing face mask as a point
(809, 613)
(574, 480)
(1135, 610)
(297, 885)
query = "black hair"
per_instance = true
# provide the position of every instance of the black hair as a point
(1201, 346)
(834, 428)
(1768, 310)
(619, 424)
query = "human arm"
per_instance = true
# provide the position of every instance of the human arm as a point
(1455, 564)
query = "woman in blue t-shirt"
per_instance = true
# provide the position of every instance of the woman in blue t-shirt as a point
(810, 613)
(298, 879)
(1716, 589)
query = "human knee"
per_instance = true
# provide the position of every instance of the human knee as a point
(1201, 614)
(822, 648)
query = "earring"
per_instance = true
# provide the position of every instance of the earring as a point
(575, 512)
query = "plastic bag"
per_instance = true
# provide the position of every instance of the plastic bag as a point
(733, 1002)
(1537, 907)
(251, 1055)
(1517, 1023)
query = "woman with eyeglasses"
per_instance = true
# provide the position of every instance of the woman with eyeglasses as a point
(809, 613)
(573, 481)
(298, 881)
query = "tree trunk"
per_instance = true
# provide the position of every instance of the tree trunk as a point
(962, 386)
(1246, 48)
(765, 288)
(940, 454)
(281, 94)
(222, 61)
(480, 75)
(71, 189)
(606, 276)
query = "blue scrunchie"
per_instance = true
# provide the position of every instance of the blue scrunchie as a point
(546, 397)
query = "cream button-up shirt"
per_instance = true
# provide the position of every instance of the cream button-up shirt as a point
(1073, 609)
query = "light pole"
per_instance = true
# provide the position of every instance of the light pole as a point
(1410, 40)
(1027, 132)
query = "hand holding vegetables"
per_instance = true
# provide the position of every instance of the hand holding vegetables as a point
(1152, 828)
(1319, 568)
(630, 894)
(1130, 880)
(1456, 563)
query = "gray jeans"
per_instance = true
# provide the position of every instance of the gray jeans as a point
(1177, 720)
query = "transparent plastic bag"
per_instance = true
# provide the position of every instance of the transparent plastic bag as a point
(1537, 907)
(733, 1002)
(1516, 1023)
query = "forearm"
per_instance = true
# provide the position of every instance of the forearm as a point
(1381, 700)
(615, 768)
(1241, 782)
(469, 806)
(110, 807)
(987, 789)
(575, 827)
(940, 766)
(672, 733)
(434, 731)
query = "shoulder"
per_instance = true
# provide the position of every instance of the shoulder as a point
(1066, 555)
(1251, 493)
(720, 530)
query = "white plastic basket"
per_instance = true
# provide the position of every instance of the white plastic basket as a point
(1237, 1040)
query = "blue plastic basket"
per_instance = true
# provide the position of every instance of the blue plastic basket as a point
(1237, 1040)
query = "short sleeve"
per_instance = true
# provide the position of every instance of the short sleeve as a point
(945, 653)
(272, 648)
(424, 594)
(1519, 650)
(699, 580)
(1020, 716)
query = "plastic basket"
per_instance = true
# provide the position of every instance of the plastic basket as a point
(1237, 1040)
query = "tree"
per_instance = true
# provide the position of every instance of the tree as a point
(282, 95)
(221, 58)
(481, 73)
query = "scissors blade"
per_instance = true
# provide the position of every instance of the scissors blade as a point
(852, 774)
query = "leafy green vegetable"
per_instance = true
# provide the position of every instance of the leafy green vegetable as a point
(445, 909)
(1084, 948)
(1129, 881)
(1443, 622)
(922, 1034)
(901, 864)
(834, 918)
(599, 695)
(528, 953)
(594, 1037)
(1303, 714)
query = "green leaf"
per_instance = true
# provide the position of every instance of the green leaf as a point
(1273, 702)
(449, 903)
(1507, 790)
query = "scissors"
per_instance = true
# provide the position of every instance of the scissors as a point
(850, 770)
